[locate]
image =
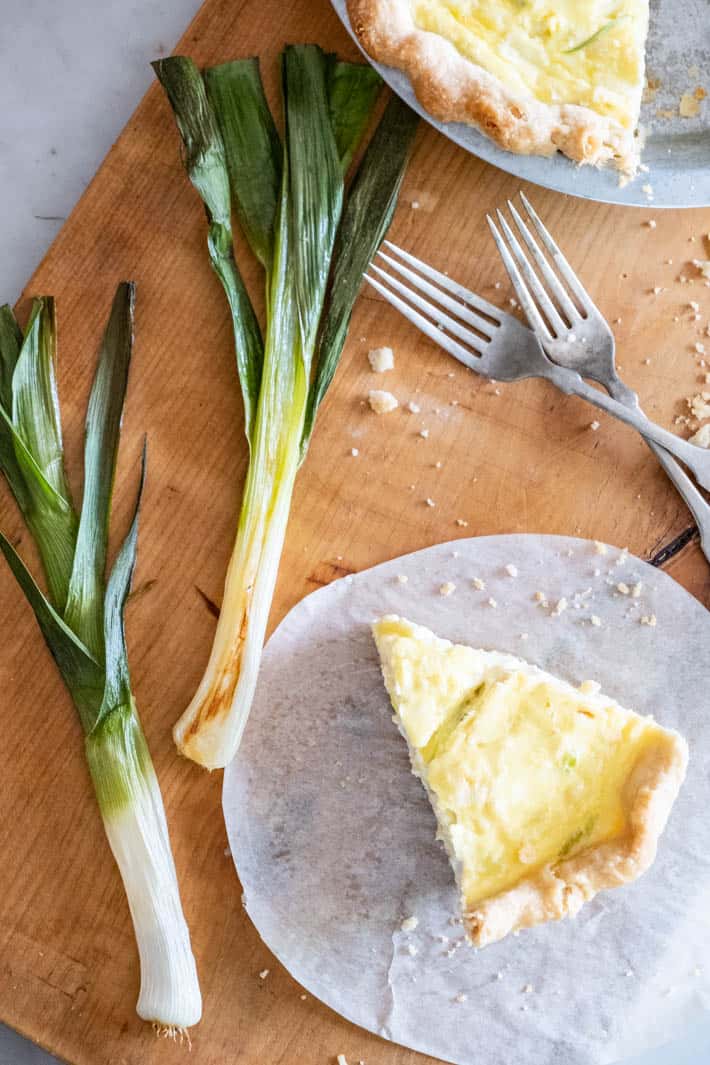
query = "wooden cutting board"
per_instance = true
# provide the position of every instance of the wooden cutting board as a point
(513, 458)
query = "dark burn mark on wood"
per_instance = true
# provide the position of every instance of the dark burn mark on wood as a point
(141, 589)
(211, 606)
(670, 550)
(326, 572)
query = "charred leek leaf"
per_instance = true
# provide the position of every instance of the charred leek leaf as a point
(327, 107)
(84, 632)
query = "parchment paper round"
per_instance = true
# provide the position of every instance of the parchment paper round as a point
(333, 837)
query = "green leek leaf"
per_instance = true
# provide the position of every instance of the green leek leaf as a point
(36, 422)
(81, 673)
(118, 684)
(315, 182)
(252, 149)
(10, 345)
(84, 609)
(206, 165)
(35, 404)
(353, 89)
(366, 218)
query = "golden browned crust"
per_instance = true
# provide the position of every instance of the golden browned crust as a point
(454, 89)
(559, 890)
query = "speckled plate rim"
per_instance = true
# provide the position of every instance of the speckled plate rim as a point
(673, 186)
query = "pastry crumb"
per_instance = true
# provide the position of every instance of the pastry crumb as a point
(461, 522)
(429, 502)
(478, 584)
(424, 433)
(623, 588)
(560, 607)
(527, 990)
(700, 405)
(447, 588)
(595, 425)
(636, 590)
(402, 578)
(651, 223)
(412, 950)
(409, 923)
(413, 407)
(540, 597)
(511, 570)
(600, 548)
(492, 603)
(354, 452)
(689, 106)
(381, 402)
(596, 621)
(461, 997)
(702, 437)
(264, 973)
(650, 620)
(381, 359)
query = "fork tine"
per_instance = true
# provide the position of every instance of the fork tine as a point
(428, 328)
(556, 287)
(476, 342)
(560, 262)
(453, 287)
(534, 317)
(455, 306)
(549, 310)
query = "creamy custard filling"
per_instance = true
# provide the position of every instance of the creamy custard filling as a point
(523, 769)
(526, 774)
(585, 52)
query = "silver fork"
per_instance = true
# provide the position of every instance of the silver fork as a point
(587, 344)
(496, 345)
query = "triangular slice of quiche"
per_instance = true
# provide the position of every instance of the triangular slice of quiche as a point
(544, 793)
(537, 76)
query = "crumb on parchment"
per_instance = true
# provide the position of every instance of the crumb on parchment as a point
(409, 923)
(447, 588)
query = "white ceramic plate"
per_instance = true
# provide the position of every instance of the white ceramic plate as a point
(677, 150)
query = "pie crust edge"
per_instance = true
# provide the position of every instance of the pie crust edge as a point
(560, 889)
(454, 89)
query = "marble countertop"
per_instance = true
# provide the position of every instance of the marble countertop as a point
(71, 74)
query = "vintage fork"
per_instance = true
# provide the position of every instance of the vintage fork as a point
(587, 344)
(498, 346)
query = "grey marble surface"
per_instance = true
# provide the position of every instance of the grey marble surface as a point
(71, 73)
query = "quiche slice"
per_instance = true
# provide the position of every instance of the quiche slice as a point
(537, 76)
(544, 793)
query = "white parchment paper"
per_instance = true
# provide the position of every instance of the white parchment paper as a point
(333, 837)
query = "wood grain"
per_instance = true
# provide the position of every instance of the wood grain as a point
(513, 458)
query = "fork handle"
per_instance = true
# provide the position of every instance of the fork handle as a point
(697, 459)
(695, 502)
